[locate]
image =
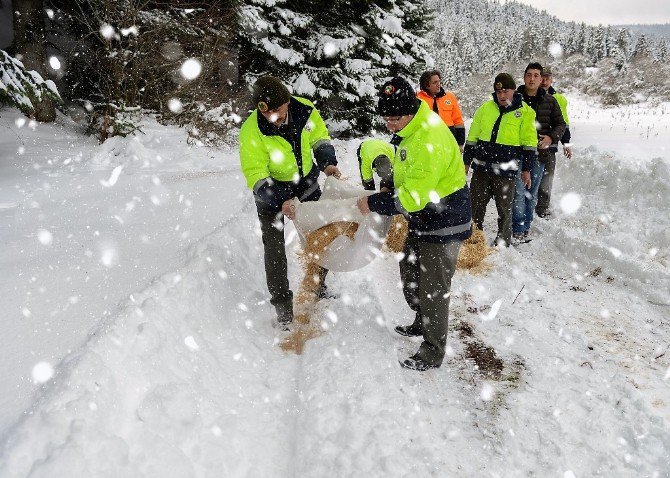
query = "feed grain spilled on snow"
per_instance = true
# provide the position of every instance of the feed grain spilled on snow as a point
(486, 360)
(316, 243)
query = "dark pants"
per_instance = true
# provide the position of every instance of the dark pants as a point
(544, 193)
(484, 186)
(276, 269)
(426, 271)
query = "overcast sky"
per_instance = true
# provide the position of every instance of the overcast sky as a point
(606, 12)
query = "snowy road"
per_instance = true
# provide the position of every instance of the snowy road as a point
(568, 378)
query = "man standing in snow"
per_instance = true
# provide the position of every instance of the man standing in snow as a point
(502, 144)
(442, 102)
(550, 125)
(431, 191)
(278, 145)
(544, 193)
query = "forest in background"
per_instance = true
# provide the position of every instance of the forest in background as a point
(191, 62)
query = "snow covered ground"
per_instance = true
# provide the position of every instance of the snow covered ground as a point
(144, 290)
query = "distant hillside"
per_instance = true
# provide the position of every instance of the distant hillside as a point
(475, 39)
(655, 31)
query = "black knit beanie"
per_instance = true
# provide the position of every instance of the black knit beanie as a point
(269, 93)
(397, 98)
(504, 81)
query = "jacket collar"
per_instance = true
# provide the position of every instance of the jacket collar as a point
(540, 91)
(419, 118)
(298, 116)
(440, 94)
(517, 102)
(551, 90)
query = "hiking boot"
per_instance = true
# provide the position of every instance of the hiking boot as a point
(409, 330)
(323, 293)
(517, 238)
(417, 363)
(526, 237)
(544, 214)
(284, 315)
(413, 330)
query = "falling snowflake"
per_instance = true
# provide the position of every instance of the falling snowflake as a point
(54, 63)
(45, 237)
(190, 343)
(191, 69)
(175, 106)
(555, 50)
(329, 49)
(107, 31)
(42, 372)
(570, 203)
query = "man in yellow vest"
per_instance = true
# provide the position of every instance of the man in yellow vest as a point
(376, 156)
(502, 139)
(544, 193)
(431, 191)
(279, 143)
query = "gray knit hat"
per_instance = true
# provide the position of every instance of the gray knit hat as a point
(269, 93)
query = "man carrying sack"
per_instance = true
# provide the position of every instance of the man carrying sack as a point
(279, 143)
(430, 190)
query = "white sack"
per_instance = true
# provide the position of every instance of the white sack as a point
(338, 203)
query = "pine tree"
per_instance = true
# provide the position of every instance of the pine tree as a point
(30, 44)
(662, 51)
(22, 88)
(642, 47)
(349, 48)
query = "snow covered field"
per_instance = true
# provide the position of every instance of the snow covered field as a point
(143, 288)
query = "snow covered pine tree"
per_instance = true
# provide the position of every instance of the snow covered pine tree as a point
(334, 52)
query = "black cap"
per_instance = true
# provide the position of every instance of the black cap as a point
(504, 81)
(269, 93)
(397, 98)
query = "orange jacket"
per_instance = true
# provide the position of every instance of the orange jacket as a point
(447, 106)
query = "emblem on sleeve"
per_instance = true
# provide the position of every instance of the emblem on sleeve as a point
(403, 154)
(262, 106)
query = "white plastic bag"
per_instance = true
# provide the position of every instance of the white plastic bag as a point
(338, 203)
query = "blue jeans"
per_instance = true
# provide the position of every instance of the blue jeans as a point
(525, 199)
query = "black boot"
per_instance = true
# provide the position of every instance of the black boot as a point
(414, 330)
(417, 363)
(284, 315)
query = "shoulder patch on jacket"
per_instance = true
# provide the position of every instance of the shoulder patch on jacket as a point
(403, 154)
(517, 114)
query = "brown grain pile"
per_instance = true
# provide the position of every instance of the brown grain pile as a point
(473, 252)
(395, 240)
(316, 243)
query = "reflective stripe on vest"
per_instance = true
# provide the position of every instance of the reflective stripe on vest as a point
(447, 231)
